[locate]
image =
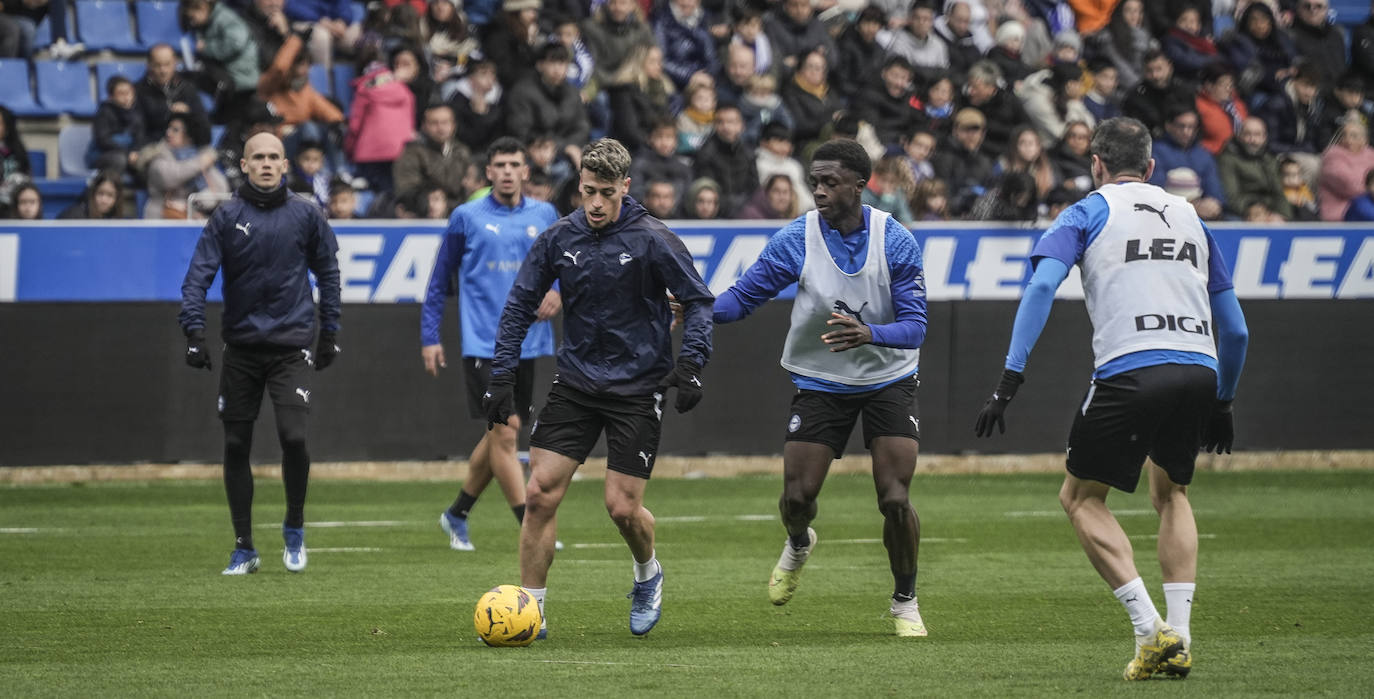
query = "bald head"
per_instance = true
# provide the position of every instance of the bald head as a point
(264, 159)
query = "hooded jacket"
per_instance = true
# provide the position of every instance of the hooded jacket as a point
(616, 319)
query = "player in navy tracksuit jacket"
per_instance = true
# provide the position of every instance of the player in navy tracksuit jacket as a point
(615, 265)
(268, 241)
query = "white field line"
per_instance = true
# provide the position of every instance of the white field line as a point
(1156, 536)
(703, 518)
(22, 530)
(610, 662)
(924, 540)
(343, 549)
(330, 525)
(1060, 513)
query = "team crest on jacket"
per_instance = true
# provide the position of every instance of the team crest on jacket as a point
(625, 258)
(794, 424)
(532, 232)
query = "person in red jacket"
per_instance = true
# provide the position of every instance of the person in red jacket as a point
(1220, 110)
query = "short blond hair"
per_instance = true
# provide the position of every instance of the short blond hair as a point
(607, 159)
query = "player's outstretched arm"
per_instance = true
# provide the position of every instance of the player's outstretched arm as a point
(778, 267)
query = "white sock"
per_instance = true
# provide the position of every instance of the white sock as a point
(648, 569)
(793, 558)
(1136, 599)
(539, 593)
(1179, 597)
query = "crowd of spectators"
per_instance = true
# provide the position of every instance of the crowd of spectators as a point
(971, 109)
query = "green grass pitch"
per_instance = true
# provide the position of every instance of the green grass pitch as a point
(114, 589)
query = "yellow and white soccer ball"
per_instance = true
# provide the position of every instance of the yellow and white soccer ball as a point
(507, 615)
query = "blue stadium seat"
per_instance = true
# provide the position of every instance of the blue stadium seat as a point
(157, 22)
(108, 69)
(42, 36)
(65, 86)
(105, 24)
(216, 133)
(343, 85)
(72, 143)
(1350, 12)
(38, 164)
(15, 93)
(319, 79)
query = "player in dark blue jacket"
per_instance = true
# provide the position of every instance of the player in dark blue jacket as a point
(615, 265)
(267, 241)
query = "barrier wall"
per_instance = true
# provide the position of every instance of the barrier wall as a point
(91, 364)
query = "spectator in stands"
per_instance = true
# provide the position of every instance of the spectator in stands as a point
(859, 55)
(224, 46)
(657, 159)
(1259, 52)
(890, 105)
(747, 31)
(918, 147)
(1187, 47)
(762, 105)
(1219, 108)
(1294, 118)
(582, 67)
(614, 33)
(511, 40)
(776, 198)
(733, 79)
(332, 24)
(435, 157)
(19, 21)
(103, 199)
(889, 188)
(545, 159)
(1070, 155)
(956, 30)
(477, 105)
(306, 114)
(1319, 41)
(1157, 91)
(660, 199)
(447, 38)
(409, 67)
(775, 158)
(180, 165)
(380, 124)
(1103, 100)
(1125, 42)
(14, 157)
(308, 175)
(1010, 198)
(1362, 49)
(688, 48)
(809, 99)
(1010, 36)
(267, 21)
(343, 200)
(918, 43)
(1297, 191)
(1026, 153)
(728, 160)
(1250, 172)
(1345, 165)
(116, 129)
(1177, 148)
(1053, 97)
(697, 119)
(795, 31)
(28, 203)
(1003, 111)
(1346, 101)
(703, 200)
(961, 162)
(1055, 203)
(939, 107)
(1160, 14)
(547, 103)
(162, 93)
(930, 200)
(640, 96)
(1362, 207)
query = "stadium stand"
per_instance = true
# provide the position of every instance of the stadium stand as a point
(105, 24)
(72, 143)
(108, 69)
(65, 87)
(344, 75)
(157, 22)
(15, 92)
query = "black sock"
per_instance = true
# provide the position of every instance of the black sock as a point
(295, 463)
(519, 511)
(462, 505)
(904, 588)
(799, 541)
(238, 480)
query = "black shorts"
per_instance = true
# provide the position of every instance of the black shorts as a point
(476, 374)
(571, 422)
(1159, 411)
(828, 418)
(284, 372)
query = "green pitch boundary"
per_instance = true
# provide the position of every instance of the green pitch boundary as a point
(670, 467)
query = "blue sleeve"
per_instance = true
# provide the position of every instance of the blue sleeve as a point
(1218, 276)
(1067, 237)
(324, 262)
(204, 266)
(1034, 310)
(778, 266)
(1232, 340)
(531, 283)
(908, 287)
(445, 264)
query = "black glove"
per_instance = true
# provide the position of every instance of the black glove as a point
(1221, 429)
(197, 355)
(686, 376)
(991, 414)
(499, 400)
(326, 350)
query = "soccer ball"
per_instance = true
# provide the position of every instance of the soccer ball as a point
(507, 615)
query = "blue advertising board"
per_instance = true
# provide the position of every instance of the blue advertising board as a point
(390, 261)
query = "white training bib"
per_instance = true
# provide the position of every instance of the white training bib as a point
(1145, 275)
(866, 295)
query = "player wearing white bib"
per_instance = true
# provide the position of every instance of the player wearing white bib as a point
(858, 319)
(1169, 342)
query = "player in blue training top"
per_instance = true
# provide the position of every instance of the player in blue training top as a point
(485, 242)
(857, 323)
(1158, 293)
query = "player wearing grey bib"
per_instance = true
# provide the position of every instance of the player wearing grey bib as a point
(1169, 341)
(857, 323)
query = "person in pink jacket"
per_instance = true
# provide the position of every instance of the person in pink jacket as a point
(1344, 166)
(381, 122)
